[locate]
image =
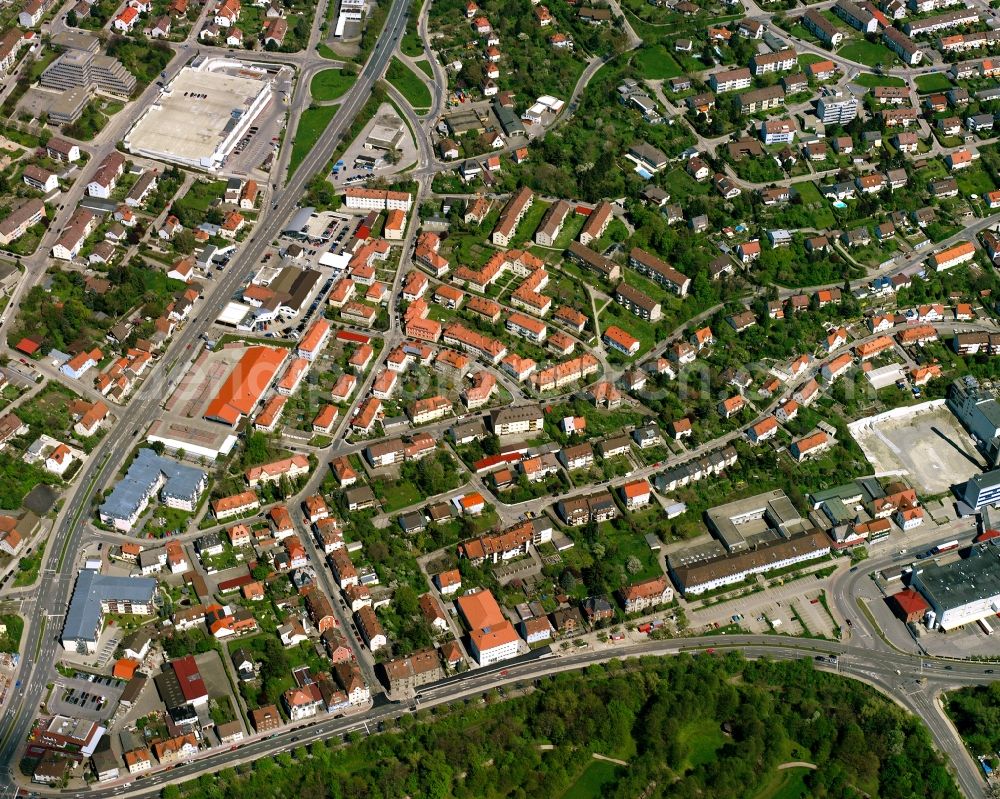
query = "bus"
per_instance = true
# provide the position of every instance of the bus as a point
(985, 626)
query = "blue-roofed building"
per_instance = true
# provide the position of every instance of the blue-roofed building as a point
(95, 595)
(179, 487)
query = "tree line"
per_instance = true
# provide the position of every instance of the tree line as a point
(689, 726)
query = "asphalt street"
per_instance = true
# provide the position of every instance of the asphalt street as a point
(56, 585)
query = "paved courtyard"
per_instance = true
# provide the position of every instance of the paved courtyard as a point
(926, 444)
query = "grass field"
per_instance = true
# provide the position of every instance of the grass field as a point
(593, 781)
(805, 59)
(681, 184)
(312, 123)
(410, 85)
(974, 180)
(932, 82)
(703, 739)
(867, 53)
(11, 640)
(801, 32)
(411, 44)
(425, 67)
(871, 81)
(655, 63)
(786, 784)
(331, 84)
(396, 494)
(807, 190)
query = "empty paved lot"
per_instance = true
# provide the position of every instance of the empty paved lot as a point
(928, 446)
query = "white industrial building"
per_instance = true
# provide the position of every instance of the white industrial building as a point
(961, 591)
(202, 114)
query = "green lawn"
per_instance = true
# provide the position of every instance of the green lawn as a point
(312, 123)
(681, 184)
(974, 180)
(932, 82)
(28, 568)
(425, 67)
(867, 53)
(331, 83)
(871, 81)
(410, 85)
(807, 190)
(400, 495)
(594, 781)
(411, 44)
(529, 224)
(805, 59)
(655, 63)
(801, 32)
(786, 784)
(703, 739)
(10, 641)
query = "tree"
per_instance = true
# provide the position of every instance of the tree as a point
(184, 242)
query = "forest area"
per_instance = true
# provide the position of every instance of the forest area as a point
(976, 713)
(687, 726)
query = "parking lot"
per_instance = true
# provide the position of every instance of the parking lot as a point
(795, 608)
(253, 150)
(354, 171)
(87, 696)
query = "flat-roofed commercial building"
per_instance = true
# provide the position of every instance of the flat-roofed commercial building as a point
(762, 517)
(982, 490)
(201, 115)
(961, 591)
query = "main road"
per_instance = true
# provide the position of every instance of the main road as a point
(56, 583)
(893, 674)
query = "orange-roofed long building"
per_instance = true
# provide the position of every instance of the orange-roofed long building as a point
(953, 256)
(312, 343)
(246, 385)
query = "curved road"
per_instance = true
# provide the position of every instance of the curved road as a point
(883, 671)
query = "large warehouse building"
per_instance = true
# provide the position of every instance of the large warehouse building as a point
(246, 385)
(961, 591)
(201, 114)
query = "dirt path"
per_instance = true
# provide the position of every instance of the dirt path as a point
(614, 760)
(796, 764)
